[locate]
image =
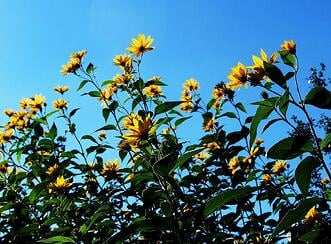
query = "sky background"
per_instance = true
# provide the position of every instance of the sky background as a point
(192, 39)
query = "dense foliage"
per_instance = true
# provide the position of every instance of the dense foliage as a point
(57, 186)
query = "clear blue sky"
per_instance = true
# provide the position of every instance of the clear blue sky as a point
(199, 39)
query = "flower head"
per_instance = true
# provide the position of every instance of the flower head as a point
(311, 214)
(9, 112)
(123, 61)
(218, 93)
(153, 91)
(53, 169)
(201, 156)
(102, 135)
(6, 136)
(60, 104)
(191, 85)
(140, 45)
(238, 77)
(212, 146)
(234, 165)
(289, 46)
(266, 178)
(61, 89)
(36, 103)
(140, 129)
(279, 167)
(110, 169)
(210, 125)
(60, 184)
(74, 63)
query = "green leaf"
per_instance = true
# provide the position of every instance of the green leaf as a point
(270, 123)
(139, 84)
(326, 141)
(72, 113)
(295, 215)
(319, 97)
(241, 107)
(290, 148)
(166, 208)
(275, 74)
(284, 102)
(107, 127)
(58, 240)
(229, 115)
(90, 68)
(88, 137)
(181, 120)
(182, 159)
(113, 106)
(82, 84)
(262, 113)
(106, 82)
(288, 58)
(310, 236)
(166, 106)
(105, 113)
(163, 166)
(303, 173)
(223, 198)
(101, 211)
(37, 191)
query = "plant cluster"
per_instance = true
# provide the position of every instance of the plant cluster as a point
(57, 186)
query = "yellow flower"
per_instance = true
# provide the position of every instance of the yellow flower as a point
(218, 93)
(289, 46)
(234, 165)
(9, 112)
(191, 85)
(186, 107)
(123, 79)
(140, 45)
(201, 156)
(237, 77)
(155, 79)
(102, 135)
(37, 102)
(74, 63)
(279, 167)
(24, 103)
(19, 120)
(60, 184)
(266, 178)
(6, 136)
(4, 168)
(166, 131)
(311, 214)
(79, 55)
(186, 96)
(258, 141)
(141, 129)
(53, 169)
(210, 125)
(128, 120)
(61, 89)
(211, 146)
(325, 181)
(217, 104)
(110, 169)
(124, 61)
(153, 91)
(258, 73)
(60, 104)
